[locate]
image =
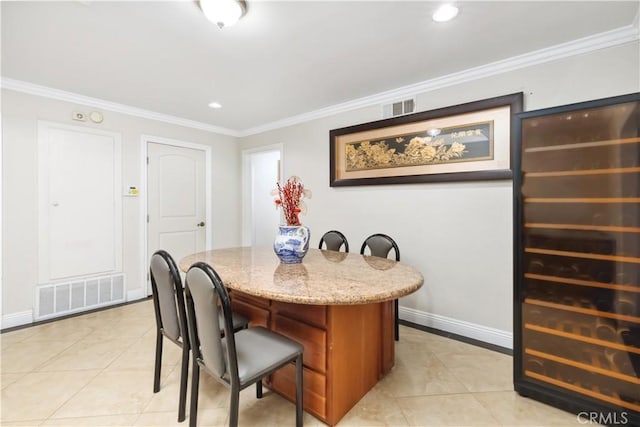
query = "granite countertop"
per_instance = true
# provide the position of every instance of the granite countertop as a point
(323, 277)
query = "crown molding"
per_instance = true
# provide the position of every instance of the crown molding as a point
(592, 43)
(60, 95)
(616, 37)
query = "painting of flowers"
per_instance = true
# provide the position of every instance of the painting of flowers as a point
(456, 144)
(471, 141)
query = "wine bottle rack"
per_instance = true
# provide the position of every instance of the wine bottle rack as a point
(577, 256)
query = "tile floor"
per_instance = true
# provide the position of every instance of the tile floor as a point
(97, 370)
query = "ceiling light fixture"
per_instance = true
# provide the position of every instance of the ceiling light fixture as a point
(445, 13)
(223, 13)
(215, 105)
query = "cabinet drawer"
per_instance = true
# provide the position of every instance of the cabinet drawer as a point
(313, 388)
(313, 339)
(312, 314)
(257, 316)
(257, 301)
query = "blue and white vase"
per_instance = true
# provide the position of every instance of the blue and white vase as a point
(292, 243)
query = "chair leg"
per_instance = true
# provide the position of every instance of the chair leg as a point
(156, 375)
(195, 383)
(233, 407)
(184, 375)
(299, 405)
(397, 324)
(259, 389)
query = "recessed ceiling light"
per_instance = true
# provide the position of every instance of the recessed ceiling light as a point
(445, 13)
(215, 105)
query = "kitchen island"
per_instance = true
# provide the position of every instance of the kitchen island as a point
(338, 305)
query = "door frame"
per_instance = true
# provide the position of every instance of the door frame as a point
(2, 321)
(144, 225)
(43, 127)
(246, 179)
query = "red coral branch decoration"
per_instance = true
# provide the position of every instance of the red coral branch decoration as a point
(291, 194)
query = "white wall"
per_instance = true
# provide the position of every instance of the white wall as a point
(459, 235)
(20, 114)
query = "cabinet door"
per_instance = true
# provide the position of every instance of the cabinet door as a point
(313, 339)
(314, 388)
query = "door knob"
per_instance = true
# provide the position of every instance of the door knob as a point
(200, 224)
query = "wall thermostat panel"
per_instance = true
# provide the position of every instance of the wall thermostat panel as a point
(131, 191)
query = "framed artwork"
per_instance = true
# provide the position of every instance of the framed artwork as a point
(464, 142)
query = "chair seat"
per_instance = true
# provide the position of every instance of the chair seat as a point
(260, 351)
(239, 321)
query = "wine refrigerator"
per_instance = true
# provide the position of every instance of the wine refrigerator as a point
(577, 258)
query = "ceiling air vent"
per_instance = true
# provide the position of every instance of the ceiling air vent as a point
(399, 108)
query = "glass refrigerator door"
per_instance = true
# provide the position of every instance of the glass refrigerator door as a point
(580, 253)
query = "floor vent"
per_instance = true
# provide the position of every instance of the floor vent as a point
(59, 299)
(399, 108)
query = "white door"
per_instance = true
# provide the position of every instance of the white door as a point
(261, 173)
(175, 200)
(80, 203)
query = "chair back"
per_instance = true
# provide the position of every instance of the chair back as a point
(334, 240)
(168, 297)
(206, 295)
(380, 245)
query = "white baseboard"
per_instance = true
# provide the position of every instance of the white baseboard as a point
(136, 294)
(17, 319)
(466, 329)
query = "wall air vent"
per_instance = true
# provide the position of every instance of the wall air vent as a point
(399, 108)
(59, 299)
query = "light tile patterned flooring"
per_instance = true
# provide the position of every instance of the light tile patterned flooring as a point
(97, 370)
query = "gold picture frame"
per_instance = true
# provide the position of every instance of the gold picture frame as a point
(464, 142)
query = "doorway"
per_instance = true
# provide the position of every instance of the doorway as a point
(178, 205)
(261, 170)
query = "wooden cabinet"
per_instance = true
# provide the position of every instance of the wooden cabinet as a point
(577, 258)
(347, 349)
